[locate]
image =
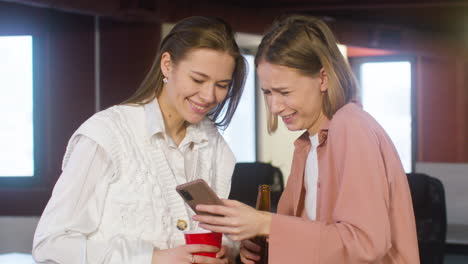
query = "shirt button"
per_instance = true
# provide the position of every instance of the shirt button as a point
(181, 224)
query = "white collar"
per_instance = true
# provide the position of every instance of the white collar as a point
(155, 124)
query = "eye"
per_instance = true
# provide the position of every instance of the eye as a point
(285, 93)
(266, 92)
(197, 80)
(223, 86)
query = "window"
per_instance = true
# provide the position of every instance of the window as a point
(25, 185)
(23, 179)
(52, 38)
(386, 93)
(16, 109)
(240, 135)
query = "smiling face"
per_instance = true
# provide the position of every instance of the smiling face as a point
(293, 96)
(196, 84)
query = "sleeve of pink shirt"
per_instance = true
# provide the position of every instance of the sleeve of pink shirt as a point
(360, 231)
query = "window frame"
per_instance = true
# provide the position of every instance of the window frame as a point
(21, 180)
(254, 105)
(246, 50)
(356, 63)
(27, 195)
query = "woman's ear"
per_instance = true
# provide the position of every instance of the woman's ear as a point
(323, 80)
(166, 64)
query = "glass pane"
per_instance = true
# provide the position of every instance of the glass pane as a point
(386, 95)
(240, 135)
(16, 109)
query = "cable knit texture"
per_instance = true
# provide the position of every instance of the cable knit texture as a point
(148, 206)
(135, 208)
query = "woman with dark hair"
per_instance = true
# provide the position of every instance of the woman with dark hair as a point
(115, 201)
(347, 198)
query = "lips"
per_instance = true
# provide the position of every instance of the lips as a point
(198, 108)
(288, 118)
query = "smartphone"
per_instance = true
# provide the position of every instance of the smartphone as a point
(198, 192)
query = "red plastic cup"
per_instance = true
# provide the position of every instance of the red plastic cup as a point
(204, 237)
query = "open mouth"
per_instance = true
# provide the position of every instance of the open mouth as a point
(288, 118)
(197, 107)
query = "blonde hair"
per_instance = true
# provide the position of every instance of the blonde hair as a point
(307, 44)
(197, 33)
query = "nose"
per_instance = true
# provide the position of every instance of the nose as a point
(208, 93)
(276, 105)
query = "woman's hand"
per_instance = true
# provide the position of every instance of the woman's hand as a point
(223, 255)
(184, 255)
(240, 221)
(249, 252)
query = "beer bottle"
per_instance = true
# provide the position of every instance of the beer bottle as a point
(263, 204)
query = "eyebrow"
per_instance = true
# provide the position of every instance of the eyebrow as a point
(276, 89)
(206, 76)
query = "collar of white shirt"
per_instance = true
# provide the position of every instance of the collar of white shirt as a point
(155, 125)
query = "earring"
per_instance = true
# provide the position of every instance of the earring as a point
(165, 80)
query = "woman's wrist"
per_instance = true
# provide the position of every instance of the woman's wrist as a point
(265, 223)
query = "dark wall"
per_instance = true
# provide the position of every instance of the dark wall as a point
(63, 87)
(441, 69)
(127, 52)
(442, 105)
(64, 50)
(64, 74)
(441, 84)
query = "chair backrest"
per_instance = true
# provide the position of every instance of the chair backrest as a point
(248, 176)
(428, 197)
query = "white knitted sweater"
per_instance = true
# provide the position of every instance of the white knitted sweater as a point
(141, 202)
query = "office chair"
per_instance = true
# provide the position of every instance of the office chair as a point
(429, 207)
(248, 176)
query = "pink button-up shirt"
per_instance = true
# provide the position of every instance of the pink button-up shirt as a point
(364, 208)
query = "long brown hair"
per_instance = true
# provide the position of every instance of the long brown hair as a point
(307, 44)
(196, 33)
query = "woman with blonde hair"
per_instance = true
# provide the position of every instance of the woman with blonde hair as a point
(115, 201)
(347, 198)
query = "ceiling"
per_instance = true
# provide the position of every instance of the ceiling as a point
(448, 17)
(443, 17)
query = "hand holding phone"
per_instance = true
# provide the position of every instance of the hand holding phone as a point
(198, 192)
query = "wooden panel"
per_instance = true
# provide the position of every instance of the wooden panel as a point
(127, 10)
(64, 96)
(436, 99)
(463, 108)
(64, 85)
(127, 52)
(71, 79)
(248, 20)
(352, 51)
